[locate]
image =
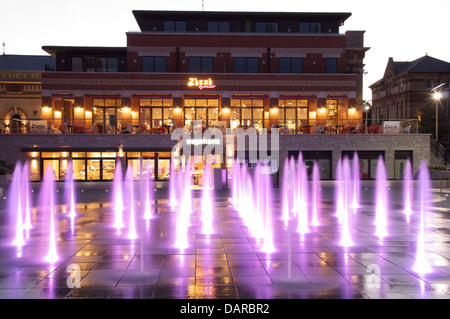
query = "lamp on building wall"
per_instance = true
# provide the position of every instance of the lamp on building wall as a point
(322, 111)
(46, 111)
(120, 150)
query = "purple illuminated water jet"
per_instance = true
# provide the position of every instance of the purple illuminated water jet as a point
(207, 204)
(347, 190)
(339, 192)
(174, 187)
(235, 185)
(421, 264)
(184, 210)
(69, 190)
(48, 195)
(315, 195)
(132, 234)
(148, 193)
(356, 183)
(266, 211)
(381, 200)
(407, 190)
(284, 194)
(15, 204)
(118, 197)
(26, 198)
(255, 218)
(301, 207)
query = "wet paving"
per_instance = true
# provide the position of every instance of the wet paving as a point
(94, 261)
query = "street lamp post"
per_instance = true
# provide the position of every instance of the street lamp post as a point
(367, 108)
(437, 96)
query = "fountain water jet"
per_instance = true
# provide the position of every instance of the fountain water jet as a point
(381, 200)
(15, 205)
(48, 189)
(356, 183)
(266, 212)
(174, 187)
(26, 196)
(69, 190)
(315, 194)
(118, 198)
(235, 186)
(132, 234)
(421, 265)
(407, 190)
(184, 210)
(285, 192)
(148, 193)
(302, 197)
(255, 217)
(339, 192)
(346, 239)
(207, 204)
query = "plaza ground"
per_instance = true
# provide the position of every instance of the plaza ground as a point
(228, 264)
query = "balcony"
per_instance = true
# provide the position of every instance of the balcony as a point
(234, 126)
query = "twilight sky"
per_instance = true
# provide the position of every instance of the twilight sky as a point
(402, 29)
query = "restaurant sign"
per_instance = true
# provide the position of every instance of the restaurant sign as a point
(38, 127)
(391, 127)
(20, 76)
(201, 83)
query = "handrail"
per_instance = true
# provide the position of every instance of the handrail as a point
(441, 151)
(166, 126)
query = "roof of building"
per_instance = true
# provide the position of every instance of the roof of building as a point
(53, 50)
(26, 62)
(142, 16)
(425, 64)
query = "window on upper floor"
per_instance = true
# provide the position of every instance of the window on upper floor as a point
(178, 26)
(245, 65)
(331, 65)
(95, 64)
(266, 26)
(201, 65)
(77, 64)
(309, 27)
(112, 65)
(153, 64)
(218, 26)
(290, 65)
(89, 64)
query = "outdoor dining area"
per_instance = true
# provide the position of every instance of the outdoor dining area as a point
(307, 126)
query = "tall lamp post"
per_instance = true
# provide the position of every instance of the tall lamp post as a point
(367, 108)
(437, 96)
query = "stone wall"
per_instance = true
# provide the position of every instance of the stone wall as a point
(11, 145)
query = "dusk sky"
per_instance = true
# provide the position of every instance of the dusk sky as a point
(402, 29)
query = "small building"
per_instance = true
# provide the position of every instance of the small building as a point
(405, 92)
(20, 90)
